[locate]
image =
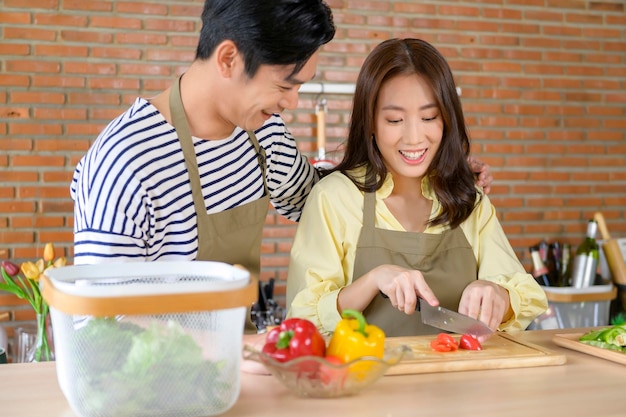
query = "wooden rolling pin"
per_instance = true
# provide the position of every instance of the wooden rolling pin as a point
(612, 252)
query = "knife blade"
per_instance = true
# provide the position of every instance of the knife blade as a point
(451, 321)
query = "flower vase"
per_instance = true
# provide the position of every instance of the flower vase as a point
(41, 350)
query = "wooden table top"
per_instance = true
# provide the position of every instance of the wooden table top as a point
(585, 386)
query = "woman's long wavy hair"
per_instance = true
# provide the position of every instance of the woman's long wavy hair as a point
(449, 173)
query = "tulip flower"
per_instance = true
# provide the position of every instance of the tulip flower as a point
(10, 268)
(32, 270)
(60, 261)
(48, 252)
(26, 287)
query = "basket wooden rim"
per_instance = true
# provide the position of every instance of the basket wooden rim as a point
(575, 298)
(149, 304)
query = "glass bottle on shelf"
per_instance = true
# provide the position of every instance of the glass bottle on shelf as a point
(540, 271)
(553, 263)
(586, 259)
(565, 273)
(543, 248)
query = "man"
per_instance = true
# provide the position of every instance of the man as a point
(180, 176)
(188, 174)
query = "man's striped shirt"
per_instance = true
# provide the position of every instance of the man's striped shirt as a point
(132, 194)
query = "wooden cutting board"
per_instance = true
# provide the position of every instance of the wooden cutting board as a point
(570, 341)
(499, 352)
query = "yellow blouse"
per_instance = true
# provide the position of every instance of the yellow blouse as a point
(324, 249)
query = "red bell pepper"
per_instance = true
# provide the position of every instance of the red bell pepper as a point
(294, 338)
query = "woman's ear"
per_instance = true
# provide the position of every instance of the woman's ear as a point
(226, 58)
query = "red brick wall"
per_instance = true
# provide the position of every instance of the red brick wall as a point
(543, 87)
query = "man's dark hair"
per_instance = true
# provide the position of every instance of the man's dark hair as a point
(277, 32)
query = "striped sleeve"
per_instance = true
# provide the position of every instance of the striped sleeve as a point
(114, 188)
(290, 175)
(132, 194)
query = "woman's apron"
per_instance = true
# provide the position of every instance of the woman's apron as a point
(446, 261)
(232, 236)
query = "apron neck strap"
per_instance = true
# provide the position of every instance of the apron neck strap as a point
(369, 209)
(186, 142)
(261, 156)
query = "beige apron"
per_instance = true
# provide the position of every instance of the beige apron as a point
(232, 236)
(446, 261)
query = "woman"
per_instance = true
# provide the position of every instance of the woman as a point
(401, 216)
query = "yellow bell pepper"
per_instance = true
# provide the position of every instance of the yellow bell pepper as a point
(353, 339)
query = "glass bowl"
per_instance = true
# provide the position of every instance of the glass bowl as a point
(315, 377)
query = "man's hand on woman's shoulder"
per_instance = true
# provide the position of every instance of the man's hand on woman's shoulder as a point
(482, 172)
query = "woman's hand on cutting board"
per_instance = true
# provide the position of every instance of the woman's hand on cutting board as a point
(400, 285)
(485, 301)
(403, 287)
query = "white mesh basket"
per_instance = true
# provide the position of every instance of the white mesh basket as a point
(157, 339)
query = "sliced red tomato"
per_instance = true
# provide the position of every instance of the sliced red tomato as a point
(469, 342)
(444, 343)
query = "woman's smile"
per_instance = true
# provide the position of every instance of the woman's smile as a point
(413, 157)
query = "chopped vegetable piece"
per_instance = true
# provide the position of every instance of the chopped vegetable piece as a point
(603, 345)
(469, 342)
(612, 338)
(444, 343)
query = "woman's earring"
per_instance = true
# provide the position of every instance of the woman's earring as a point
(373, 137)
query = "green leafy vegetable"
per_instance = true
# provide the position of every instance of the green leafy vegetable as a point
(161, 344)
(127, 370)
(612, 338)
(620, 318)
(103, 343)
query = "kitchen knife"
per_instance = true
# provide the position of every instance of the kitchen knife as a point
(451, 321)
